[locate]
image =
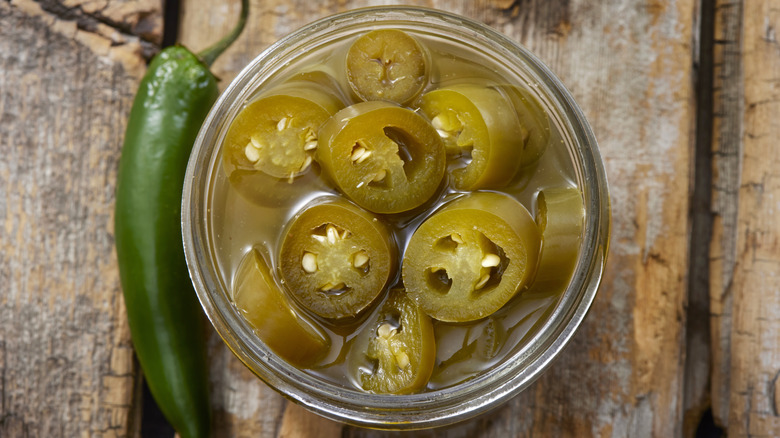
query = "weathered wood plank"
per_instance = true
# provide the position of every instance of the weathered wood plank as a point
(66, 359)
(726, 155)
(141, 18)
(628, 64)
(755, 333)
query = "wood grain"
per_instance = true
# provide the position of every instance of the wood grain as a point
(628, 64)
(755, 335)
(66, 359)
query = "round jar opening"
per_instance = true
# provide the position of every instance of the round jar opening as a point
(480, 363)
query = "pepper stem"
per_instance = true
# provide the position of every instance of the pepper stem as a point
(210, 54)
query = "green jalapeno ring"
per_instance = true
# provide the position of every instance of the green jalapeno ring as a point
(395, 352)
(268, 153)
(471, 257)
(479, 123)
(560, 217)
(386, 158)
(336, 258)
(276, 135)
(273, 317)
(387, 64)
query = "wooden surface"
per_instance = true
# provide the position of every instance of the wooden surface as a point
(754, 394)
(66, 360)
(683, 99)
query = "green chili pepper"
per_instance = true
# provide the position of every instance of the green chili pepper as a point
(165, 318)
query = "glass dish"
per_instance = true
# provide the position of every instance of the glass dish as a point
(441, 406)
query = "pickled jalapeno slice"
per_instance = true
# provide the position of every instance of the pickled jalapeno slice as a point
(263, 304)
(560, 215)
(533, 118)
(387, 64)
(479, 124)
(386, 158)
(336, 259)
(471, 257)
(401, 349)
(275, 137)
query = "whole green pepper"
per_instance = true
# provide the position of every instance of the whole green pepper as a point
(165, 318)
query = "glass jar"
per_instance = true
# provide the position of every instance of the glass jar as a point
(438, 407)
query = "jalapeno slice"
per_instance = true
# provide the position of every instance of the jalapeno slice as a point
(275, 137)
(471, 257)
(400, 348)
(533, 118)
(386, 158)
(560, 216)
(479, 124)
(387, 64)
(260, 301)
(336, 258)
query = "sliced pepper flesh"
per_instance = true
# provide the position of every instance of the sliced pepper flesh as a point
(386, 158)
(479, 124)
(275, 136)
(401, 348)
(283, 329)
(471, 257)
(336, 258)
(560, 215)
(387, 64)
(533, 118)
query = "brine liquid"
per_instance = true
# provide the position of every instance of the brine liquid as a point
(462, 350)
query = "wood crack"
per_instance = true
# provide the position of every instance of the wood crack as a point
(90, 22)
(128, 50)
(696, 389)
(98, 31)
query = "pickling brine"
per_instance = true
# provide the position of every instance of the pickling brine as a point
(395, 214)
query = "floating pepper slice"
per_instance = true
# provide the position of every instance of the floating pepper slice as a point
(533, 118)
(336, 259)
(479, 124)
(560, 215)
(261, 302)
(465, 350)
(400, 348)
(387, 64)
(274, 138)
(386, 158)
(469, 258)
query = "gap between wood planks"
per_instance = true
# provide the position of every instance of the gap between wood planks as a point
(697, 403)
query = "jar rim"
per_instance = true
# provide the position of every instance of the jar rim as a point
(432, 408)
